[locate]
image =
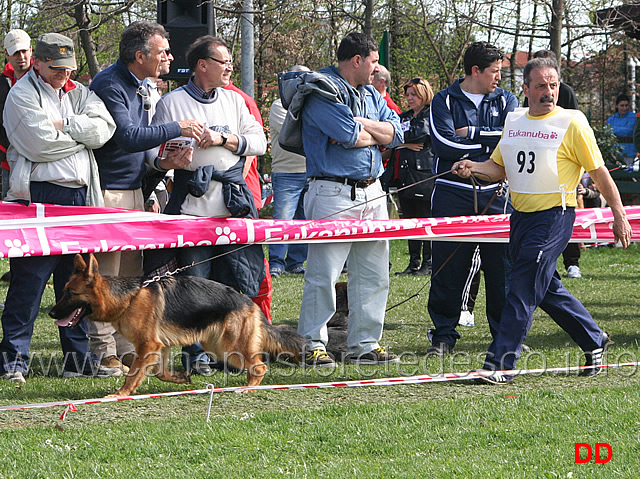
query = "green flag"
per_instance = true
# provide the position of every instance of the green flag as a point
(383, 50)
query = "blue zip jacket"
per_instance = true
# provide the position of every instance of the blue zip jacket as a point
(324, 120)
(121, 160)
(451, 109)
(622, 127)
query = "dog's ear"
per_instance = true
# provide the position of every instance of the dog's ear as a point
(92, 270)
(78, 264)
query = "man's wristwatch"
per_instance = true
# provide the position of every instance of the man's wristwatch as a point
(224, 139)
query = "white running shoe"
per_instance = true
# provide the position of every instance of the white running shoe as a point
(14, 376)
(466, 318)
(574, 272)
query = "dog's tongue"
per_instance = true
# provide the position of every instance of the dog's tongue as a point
(63, 323)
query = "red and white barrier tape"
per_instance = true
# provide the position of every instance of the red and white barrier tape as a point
(43, 230)
(447, 377)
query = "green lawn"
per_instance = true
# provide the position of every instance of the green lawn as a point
(443, 430)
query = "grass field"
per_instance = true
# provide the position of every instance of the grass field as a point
(443, 430)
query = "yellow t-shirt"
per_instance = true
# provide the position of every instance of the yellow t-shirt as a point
(524, 138)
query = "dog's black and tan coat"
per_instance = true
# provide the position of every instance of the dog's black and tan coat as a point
(174, 311)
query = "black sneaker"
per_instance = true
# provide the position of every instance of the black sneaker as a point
(200, 368)
(496, 378)
(296, 270)
(439, 348)
(377, 356)
(594, 358)
(411, 269)
(424, 270)
(319, 358)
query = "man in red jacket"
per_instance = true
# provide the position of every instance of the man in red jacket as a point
(252, 178)
(17, 51)
(381, 82)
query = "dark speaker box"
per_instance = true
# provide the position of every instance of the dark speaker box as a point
(185, 21)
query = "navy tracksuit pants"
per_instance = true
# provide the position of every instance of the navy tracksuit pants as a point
(536, 241)
(451, 263)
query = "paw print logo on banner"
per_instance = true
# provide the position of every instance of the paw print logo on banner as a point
(226, 236)
(16, 248)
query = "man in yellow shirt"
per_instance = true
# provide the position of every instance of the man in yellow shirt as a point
(542, 153)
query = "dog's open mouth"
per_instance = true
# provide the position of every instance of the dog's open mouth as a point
(71, 320)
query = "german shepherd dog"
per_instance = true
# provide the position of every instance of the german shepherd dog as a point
(174, 311)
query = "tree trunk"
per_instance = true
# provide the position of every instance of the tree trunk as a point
(86, 39)
(9, 10)
(514, 52)
(534, 24)
(490, 21)
(555, 27)
(368, 17)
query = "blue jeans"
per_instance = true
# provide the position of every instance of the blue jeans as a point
(29, 276)
(288, 197)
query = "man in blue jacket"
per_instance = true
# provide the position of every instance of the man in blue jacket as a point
(144, 51)
(466, 123)
(341, 138)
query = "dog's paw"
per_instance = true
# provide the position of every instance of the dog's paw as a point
(181, 378)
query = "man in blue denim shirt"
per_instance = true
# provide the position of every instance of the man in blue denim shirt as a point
(341, 141)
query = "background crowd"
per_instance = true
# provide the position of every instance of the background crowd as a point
(111, 145)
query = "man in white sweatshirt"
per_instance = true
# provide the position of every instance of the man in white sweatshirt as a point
(213, 184)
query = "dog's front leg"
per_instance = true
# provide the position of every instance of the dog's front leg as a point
(148, 357)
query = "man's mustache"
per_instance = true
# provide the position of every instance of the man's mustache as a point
(546, 99)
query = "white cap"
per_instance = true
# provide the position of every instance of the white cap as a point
(16, 40)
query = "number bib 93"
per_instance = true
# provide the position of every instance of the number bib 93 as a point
(529, 150)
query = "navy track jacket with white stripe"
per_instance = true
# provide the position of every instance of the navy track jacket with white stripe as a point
(451, 109)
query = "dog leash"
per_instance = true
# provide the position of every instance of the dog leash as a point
(168, 274)
(475, 183)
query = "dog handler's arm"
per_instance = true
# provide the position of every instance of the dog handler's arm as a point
(608, 189)
(488, 170)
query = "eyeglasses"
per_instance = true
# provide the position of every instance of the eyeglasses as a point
(222, 62)
(143, 91)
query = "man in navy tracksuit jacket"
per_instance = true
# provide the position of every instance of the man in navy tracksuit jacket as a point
(466, 122)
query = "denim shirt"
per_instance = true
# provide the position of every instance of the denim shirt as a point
(324, 120)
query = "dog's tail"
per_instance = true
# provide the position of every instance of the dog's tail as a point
(282, 343)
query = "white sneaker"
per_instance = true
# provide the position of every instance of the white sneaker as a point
(574, 272)
(466, 318)
(14, 376)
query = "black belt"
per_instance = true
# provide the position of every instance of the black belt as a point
(348, 181)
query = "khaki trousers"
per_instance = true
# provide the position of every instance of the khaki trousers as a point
(104, 340)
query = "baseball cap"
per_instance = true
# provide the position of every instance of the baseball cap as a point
(57, 50)
(16, 40)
